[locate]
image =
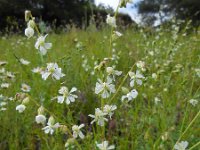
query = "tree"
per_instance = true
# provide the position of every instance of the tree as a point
(56, 12)
(61, 10)
(163, 9)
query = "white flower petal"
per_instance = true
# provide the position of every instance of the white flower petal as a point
(48, 45)
(61, 99)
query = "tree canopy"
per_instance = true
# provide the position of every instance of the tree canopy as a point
(60, 10)
(161, 9)
(54, 12)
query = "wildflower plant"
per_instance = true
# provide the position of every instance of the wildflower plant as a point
(115, 95)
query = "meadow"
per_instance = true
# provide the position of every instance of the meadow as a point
(159, 111)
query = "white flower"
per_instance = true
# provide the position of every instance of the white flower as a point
(37, 70)
(141, 65)
(2, 70)
(25, 88)
(156, 100)
(108, 109)
(51, 126)
(193, 102)
(3, 104)
(181, 145)
(20, 108)
(112, 73)
(77, 131)
(197, 72)
(29, 32)
(67, 95)
(104, 146)
(42, 46)
(40, 119)
(52, 69)
(2, 97)
(98, 117)
(154, 76)
(135, 77)
(130, 96)
(11, 98)
(3, 109)
(111, 21)
(10, 75)
(24, 62)
(5, 85)
(117, 33)
(2, 63)
(151, 53)
(104, 88)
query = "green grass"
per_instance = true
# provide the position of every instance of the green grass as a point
(141, 124)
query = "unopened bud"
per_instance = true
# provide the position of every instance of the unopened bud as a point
(102, 64)
(165, 136)
(20, 96)
(25, 100)
(27, 15)
(63, 128)
(31, 24)
(69, 142)
(125, 90)
(41, 110)
(51, 120)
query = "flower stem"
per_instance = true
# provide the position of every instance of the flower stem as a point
(190, 124)
(69, 132)
(121, 84)
(198, 143)
(112, 29)
(36, 28)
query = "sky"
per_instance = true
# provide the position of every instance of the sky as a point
(132, 12)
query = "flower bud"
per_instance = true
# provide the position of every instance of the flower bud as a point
(27, 15)
(51, 120)
(165, 136)
(102, 64)
(25, 100)
(31, 24)
(41, 110)
(69, 142)
(20, 96)
(63, 128)
(125, 90)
